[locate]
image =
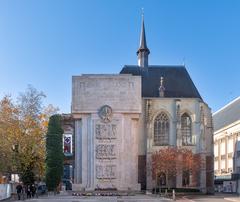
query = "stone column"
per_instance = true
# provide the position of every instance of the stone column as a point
(85, 152)
(203, 173)
(149, 171)
(78, 152)
(219, 156)
(226, 153)
(179, 174)
(178, 124)
(90, 155)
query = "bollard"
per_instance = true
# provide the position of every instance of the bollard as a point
(166, 192)
(173, 195)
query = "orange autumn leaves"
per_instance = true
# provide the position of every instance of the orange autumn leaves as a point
(23, 125)
(170, 160)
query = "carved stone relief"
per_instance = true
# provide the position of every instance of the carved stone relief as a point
(178, 123)
(106, 171)
(105, 131)
(105, 113)
(105, 151)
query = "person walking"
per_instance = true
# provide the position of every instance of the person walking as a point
(28, 191)
(19, 189)
(33, 190)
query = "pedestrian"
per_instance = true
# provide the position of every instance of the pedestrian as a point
(33, 190)
(28, 191)
(36, 186)
(19, 189)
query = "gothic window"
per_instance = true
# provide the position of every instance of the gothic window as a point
(161, 130)
(186, 129)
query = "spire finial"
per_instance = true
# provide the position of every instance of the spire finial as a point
(161, 88)
(184, 61)
(142, 12)
(161, 81)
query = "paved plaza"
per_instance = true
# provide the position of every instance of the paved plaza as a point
(136, 198)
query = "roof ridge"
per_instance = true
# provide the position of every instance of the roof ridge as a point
(227, 105)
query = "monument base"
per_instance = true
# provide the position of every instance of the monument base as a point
(80, 187)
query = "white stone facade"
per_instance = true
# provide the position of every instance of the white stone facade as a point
(114, 127)
(201, 132)
(106, 150)
(227, 146)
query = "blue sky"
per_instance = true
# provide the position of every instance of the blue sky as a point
(45, 42)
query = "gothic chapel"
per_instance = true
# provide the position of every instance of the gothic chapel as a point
(118, 120)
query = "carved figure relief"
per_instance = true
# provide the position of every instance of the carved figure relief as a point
(106, 148)
(105, 151)
(106, 171)
(105, 113)
(105, 131)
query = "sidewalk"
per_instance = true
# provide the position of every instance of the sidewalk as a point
(234, 199)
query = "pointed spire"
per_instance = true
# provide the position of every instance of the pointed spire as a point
(143, 43)
(143, 50)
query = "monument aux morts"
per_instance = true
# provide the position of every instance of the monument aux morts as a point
(118, 120)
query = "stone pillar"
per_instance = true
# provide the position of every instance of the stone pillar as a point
(219, 155)
(178, 124)
(179, 174)
(226, 153)
(149, 172)
(203, 173)
(78, 152)
(85, 152)
(135, 132)
(90, 154)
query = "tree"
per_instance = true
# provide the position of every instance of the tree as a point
(190, 164)
(23, 126)
(9, 133)
(166, 162)
(54, 154)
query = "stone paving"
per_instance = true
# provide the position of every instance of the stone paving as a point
(136, 198)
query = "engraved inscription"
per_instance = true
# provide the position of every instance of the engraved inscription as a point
(104, 151)
(105, 131)
(106, 171)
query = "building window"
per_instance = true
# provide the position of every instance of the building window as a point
(186, 129)
(161, 130)
(67, 144)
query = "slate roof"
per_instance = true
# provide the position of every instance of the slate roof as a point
(177, 81)
(230, 113)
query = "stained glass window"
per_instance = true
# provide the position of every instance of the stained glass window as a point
(161, 130)
(186, 129)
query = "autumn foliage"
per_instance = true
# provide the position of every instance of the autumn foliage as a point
(23, 125)
(167, 161)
